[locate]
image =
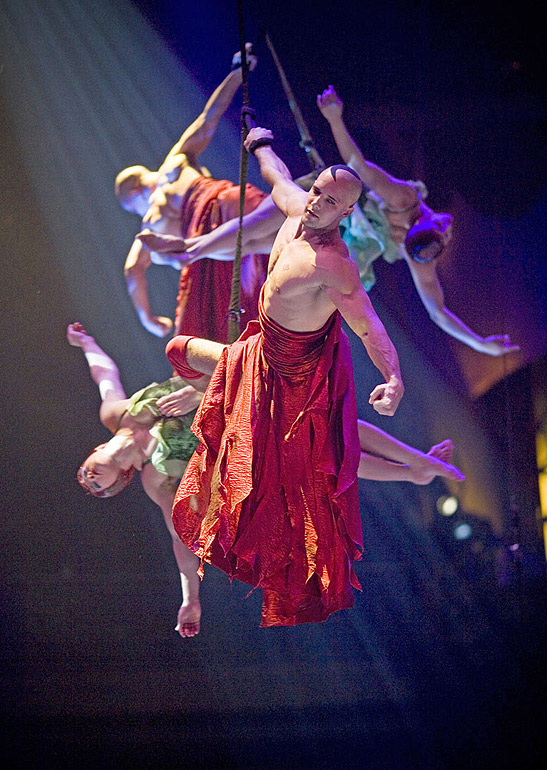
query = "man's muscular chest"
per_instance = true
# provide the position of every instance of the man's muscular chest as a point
(293, 269)
(163, 214)
(166, 199)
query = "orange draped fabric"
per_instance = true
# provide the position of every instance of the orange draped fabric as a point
(270, 495)
(204, 287)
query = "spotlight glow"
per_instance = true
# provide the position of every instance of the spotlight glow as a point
(462, 531)
(447, 505)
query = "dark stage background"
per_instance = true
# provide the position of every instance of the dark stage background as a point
(440, 663)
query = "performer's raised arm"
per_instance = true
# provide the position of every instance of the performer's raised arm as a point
(198, 135)
(286, 194)
(397, 193)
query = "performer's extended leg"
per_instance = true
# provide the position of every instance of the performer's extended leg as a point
(103, 369)
(385, 458)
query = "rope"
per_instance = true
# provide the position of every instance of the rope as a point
(306, 141)
(247, 121)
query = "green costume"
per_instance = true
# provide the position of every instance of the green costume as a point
(367, 234)
(176, 442)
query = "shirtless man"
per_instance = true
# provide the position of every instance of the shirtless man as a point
(181, 199)
(309, 272)
(137, 425)
(270, 495)
(394, 223)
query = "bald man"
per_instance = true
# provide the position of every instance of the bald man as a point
(392, 220)
(181, 199)
(270, 495)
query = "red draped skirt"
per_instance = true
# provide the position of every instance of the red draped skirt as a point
(270, 495)
(204, 287)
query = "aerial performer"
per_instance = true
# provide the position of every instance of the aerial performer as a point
(151, 435)
(270, 495)
(182, 199)
(390, 220)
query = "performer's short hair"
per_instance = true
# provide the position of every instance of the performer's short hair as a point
(419, 238)
(342, 167)
(124, 478)
(127, 180)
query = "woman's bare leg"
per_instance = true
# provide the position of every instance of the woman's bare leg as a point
(385, 458)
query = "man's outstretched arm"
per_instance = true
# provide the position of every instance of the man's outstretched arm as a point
(198, 135)
(137, 263)
(347, 294)
(431, 293)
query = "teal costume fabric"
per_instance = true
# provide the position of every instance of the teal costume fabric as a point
(366, 233)
(176, 442)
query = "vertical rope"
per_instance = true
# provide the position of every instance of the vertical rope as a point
(235, 310)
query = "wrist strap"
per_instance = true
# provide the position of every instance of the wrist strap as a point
(256, 143)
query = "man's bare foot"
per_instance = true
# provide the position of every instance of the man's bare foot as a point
(77, 335)
(164, 244)
(443, 451)
(188, 619)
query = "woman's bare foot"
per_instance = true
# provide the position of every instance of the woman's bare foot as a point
(435, 463)
(443, 451)
(188, 619)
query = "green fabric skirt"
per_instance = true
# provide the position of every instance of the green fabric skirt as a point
(176, 442)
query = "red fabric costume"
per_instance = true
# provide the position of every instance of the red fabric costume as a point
(270, 495)
(204, 287)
